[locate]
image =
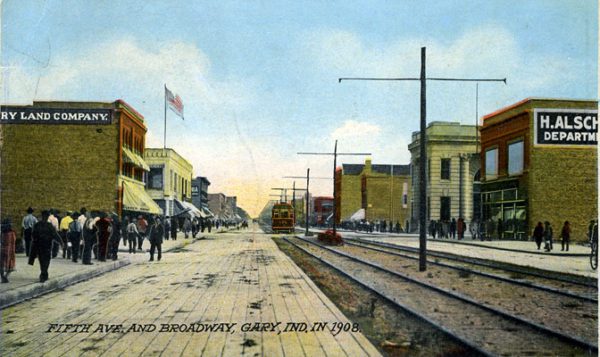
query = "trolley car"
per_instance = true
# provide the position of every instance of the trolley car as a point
(282, 218)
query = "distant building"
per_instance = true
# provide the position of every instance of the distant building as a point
(322, 209)
(382, 191)
(169, 179)
(540, 159)
(67, 155)
(452, 172)
(200, 192)
(223, 207)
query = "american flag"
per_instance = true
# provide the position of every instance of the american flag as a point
(175, 102)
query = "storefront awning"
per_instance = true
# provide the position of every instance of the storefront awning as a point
(358, 215)
(207, 212)
(193, 210)
(134, 159)
(136, 199)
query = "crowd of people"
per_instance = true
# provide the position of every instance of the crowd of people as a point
(82, 234)
(381, 226)
(448, 229)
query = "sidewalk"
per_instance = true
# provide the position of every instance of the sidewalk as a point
(24, 281)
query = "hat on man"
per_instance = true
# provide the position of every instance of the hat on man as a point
(75, 215)
(29, 210)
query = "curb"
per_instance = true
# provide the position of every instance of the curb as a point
(37, 289)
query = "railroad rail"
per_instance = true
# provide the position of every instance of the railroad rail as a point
(583, 281)
(477, 325)
(589, 296)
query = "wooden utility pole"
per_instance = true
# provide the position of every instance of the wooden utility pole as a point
(422, 147)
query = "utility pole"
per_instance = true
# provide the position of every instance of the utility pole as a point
(335, 155)
(307, 177)
(422, 139)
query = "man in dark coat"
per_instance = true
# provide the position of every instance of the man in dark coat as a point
(156, 235)
(89, 240)
(104, 230)
(167, 226)
(115, 237)
(43, 235)
(174, 227)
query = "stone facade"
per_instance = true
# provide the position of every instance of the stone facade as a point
(452, 168)
(557, 183)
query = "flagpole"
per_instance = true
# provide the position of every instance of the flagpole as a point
(165, 131)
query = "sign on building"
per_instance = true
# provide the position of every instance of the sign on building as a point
(565, 127)
(32, 115)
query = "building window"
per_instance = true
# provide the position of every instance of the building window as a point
(491, 163)
(445, 169)
(515, 157)
(155, 178)
(445, 208)
(404, 195)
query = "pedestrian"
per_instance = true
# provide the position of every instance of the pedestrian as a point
(432, 227)
(174, 227)
(74, 236)
(156, 238)
(54, 220)
(460, 228)
(565, 234)
(548, 233)
(132, 235)
(538, 234)
(115, 237)
(43, 235)
(187, 227)
(500, 228)
(28, 222)
(398, 227)
(104, 232)
(83, 217)
(194, 227)
(124, 225)
(142, 225)
(167, 226)
(7, 250)
(453, 229)
(89, 240)
(64, 228)
(209, 225)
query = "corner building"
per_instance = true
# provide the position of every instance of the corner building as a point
(540, 164)
(452, 172)
(68, 155)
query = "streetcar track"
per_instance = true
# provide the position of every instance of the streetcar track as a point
(518, 323)
(583, 281)
(364, 245)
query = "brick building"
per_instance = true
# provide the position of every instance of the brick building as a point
(452, 172)
(68, 155)
(223, 207)
(540, 160)
(381, 190)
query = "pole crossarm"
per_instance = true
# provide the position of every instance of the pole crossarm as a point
(418, 79)
(303, 177)
(288, 188)
(331, 153)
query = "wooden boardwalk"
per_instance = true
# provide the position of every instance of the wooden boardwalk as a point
(239, 285)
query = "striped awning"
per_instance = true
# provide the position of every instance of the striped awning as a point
(136, 199)
(134, 159)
